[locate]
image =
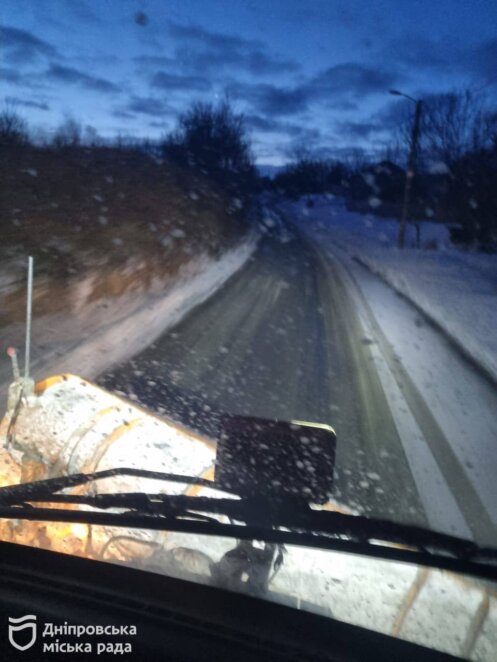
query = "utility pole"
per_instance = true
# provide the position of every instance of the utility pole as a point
(411, 164)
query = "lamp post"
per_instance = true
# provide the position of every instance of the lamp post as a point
(411, 163)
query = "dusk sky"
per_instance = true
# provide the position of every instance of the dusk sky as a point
(314, 73)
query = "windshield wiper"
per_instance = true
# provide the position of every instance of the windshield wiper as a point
(39, 489)
(277, 520)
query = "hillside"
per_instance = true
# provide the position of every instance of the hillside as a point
(117, 212)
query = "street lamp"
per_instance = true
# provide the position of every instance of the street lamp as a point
(411, 162)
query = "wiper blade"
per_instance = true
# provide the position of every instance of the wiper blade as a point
(483, 563)
(40, 489)
(272, 512)
(260, 517)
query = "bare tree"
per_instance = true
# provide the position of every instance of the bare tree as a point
(213, 139)
(449, 125)
(392, 152)
(91, 136)
(452, 124)
(68, 134)
(485, 130)
(13, 129)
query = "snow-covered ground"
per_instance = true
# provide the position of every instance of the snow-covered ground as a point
(444, 408)
(96, 334)
(456, 289)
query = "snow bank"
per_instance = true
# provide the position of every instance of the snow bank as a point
(95, 335)
(457, 290)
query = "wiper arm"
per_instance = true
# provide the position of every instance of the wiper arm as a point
(259, 517)
(295, 514)
(39, 490)
(482, 563)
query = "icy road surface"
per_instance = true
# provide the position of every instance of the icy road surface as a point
(294, 336)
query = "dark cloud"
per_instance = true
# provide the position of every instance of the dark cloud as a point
(195, 34)
(279, 100)
(26, 103)
(123, 114)
(303, 134)
(418, 53)
(270, 99)
(351, 79)
(14, 77)
(264, 124)
(166, 81)
(21, 47)
(159, 125)
(337, 87)
(148, 106)
(10, 76)
(75, 77)
(358, 130)
(202, 50)
(260, 63)
(257, 63)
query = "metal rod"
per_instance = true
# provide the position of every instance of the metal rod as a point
(29, 312)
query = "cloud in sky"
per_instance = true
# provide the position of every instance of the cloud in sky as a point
(146, 106)
(27, 103)
(199, 49)
(419, 53)
(72, 76)
(265, 124)
(351, 79)
(21, 46)
(318, 73)
(155, 60)
(270, 99)
(334, 85)
(174, 82)
(9, 75)
(362, 130)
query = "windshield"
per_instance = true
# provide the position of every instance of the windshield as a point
(273, 224)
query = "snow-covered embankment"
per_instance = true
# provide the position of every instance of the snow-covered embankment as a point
(456, 290)
(97, 333)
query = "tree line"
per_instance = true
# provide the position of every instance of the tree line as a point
(210, 140)
(455, 180)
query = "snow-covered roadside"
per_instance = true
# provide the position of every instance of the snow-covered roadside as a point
(443, 409)
(93, 336)
(455, 289)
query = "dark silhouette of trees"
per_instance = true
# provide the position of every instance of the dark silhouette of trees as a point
(68, 134)
(308, 175)
(13, 129)
(213, 140)
(472, 198)
(457, 176)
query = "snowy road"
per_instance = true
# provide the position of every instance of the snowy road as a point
(293, 336)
